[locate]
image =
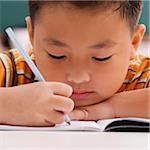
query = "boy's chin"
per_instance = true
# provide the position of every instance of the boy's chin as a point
(86, 102)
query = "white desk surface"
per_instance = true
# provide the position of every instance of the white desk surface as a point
(39, 140)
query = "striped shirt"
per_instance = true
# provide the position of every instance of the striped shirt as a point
(15, 71)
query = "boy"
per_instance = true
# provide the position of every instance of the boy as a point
(86, 51)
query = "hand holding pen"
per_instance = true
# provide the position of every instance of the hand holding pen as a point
(39, 77)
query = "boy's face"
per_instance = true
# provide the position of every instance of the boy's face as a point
(92, 51)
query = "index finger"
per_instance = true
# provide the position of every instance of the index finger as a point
(60, 88)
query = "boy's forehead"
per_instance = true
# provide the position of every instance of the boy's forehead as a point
(62, 17)
(75, 28)
(71, 8)
(60, 11)
(75, 16)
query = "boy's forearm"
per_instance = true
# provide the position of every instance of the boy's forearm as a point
(5, 99)
(134, 103)
(2, 99)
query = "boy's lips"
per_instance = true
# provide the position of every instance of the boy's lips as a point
(81, 95)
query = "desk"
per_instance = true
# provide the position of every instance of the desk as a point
(35, 140)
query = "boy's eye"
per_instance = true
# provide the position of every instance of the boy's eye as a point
(56, 57)
(102, 59)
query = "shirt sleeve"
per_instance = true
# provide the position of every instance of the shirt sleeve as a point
(138, 75)
(144, 76)
(6, 72)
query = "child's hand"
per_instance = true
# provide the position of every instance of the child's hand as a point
(36, 104)
(102, 110)
(134, 103)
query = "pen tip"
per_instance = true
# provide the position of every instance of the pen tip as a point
(69, 123)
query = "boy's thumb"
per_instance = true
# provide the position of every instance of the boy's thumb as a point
(79, 114)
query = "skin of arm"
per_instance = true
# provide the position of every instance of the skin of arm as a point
(2, 97)
(135, 103)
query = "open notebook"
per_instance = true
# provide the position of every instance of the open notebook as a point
(117, 124)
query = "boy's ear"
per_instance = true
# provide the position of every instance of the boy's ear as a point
(29, 28)
(137, 37)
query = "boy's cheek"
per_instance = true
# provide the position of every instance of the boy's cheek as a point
(107, 87)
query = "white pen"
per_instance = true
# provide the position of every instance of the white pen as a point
(28, 60)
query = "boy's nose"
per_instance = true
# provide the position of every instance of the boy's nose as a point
(79, 77)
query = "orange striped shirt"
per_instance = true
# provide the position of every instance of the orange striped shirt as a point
(14, 71)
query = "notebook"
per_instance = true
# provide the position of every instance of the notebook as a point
(117, 124)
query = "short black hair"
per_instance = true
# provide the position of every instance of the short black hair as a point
(128, 9)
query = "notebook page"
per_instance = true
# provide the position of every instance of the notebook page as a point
(103, 123)
(75, 126)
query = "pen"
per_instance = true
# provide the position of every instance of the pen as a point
(29, 61)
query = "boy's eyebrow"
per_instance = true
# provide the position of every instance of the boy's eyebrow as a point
(104, 44)
(56, 42)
